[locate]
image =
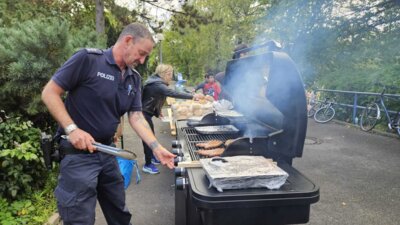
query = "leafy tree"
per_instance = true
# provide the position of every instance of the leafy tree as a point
(196, 45)
(30, 56)
(100, 17)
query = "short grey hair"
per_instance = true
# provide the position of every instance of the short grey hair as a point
(137, 30)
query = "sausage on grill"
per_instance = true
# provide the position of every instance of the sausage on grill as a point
(211, 152)
(210, 144)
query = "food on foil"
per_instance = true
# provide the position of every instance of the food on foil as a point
(185, 109)
(221, 129)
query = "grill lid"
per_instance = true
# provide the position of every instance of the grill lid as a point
(267, 89)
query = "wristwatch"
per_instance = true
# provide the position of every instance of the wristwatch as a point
(68, 129)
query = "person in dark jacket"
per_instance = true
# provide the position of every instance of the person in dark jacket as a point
(155, 92)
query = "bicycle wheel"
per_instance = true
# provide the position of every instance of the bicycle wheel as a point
(313, 109)
(324, 114)
(398, 126)
(369, 117)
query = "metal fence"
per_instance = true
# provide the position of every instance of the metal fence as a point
(355, 95)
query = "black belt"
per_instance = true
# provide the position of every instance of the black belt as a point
(72, 151)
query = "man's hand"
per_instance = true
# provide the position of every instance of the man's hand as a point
(81, 140)
(161, 115)
(166, 158)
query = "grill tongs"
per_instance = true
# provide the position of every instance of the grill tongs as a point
(111, 150)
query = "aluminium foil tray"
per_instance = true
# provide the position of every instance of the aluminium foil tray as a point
(221, 129)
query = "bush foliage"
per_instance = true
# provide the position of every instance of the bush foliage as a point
(22, 167)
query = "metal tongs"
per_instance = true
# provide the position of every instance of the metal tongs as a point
(110, 150)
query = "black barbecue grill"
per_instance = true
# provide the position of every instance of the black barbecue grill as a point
(271, 98)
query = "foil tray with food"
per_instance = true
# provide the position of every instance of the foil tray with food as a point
(228, 113)
(221, 129)
(240, 172)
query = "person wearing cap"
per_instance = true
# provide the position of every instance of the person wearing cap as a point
(239, 51)
(155, 92)
(101, 86)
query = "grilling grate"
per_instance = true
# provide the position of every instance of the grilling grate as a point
(192, 137)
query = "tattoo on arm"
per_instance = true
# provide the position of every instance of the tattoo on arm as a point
(138, 117)
(134, 115)
(153, 145)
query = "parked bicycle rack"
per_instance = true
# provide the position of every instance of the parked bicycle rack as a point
(356, 95)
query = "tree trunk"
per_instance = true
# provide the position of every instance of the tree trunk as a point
(100, 17)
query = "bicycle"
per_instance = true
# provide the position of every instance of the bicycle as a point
(372, 113)
(326, 112)
(315, 106)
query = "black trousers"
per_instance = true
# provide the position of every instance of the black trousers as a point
(148, 153)
(83, 179)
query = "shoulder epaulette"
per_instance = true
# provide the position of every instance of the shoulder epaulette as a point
(94, 51)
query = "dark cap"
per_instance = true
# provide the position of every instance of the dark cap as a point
(240, 47)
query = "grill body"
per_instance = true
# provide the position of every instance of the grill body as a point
(197, 204)
(271, 96)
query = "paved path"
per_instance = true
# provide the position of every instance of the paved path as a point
(358, 174)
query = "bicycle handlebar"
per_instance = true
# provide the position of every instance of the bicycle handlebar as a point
(386, 87)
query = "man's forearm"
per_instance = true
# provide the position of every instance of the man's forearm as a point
(142, 128)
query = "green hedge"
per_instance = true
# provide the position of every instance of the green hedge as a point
(26, 190)
(21, 164)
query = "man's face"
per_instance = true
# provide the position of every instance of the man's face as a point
(137, 50)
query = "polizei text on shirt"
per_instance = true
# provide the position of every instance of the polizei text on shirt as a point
(105, 76)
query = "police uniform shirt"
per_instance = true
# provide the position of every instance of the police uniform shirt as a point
(98, 94)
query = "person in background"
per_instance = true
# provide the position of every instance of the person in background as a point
(155, 92)
(101, 86)
(201, 85)
(238, 53)
(212, 87)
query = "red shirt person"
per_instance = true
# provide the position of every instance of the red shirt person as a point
(212, 88)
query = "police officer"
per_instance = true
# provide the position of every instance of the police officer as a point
(101, 87)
